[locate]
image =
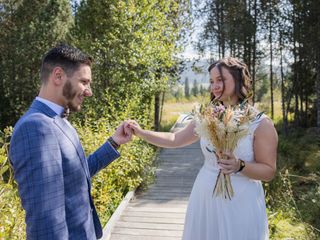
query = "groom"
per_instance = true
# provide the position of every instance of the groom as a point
(50, 166)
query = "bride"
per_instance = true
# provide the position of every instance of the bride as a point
(211, 217)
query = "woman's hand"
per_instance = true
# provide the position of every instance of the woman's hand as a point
(229, 163)
(137, 130)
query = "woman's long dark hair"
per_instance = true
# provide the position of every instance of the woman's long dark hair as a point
(240, 74)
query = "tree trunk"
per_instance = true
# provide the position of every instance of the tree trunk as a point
(284, 115)
(218, 9)
(222, 30)
(271, 69)
(295, 76)
(296, 110)
(161, 107)
(254, 50)
(157, 112)
(301, 123)
(318, 94)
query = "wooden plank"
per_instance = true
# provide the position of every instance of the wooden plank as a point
(170, 202)
(132, 237)
(159, 211)
(158, 226)
(169, 188)
(164, 195)
(179, 215)
(165, 198)
(152, 220)
(157, 205)
(177, 184)
(166, 190)
(175, 180)
(181, 172)
(116, 215)
(148, 232)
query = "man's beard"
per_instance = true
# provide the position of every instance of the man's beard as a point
(69, 93)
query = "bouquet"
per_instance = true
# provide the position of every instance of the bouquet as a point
(224, 127)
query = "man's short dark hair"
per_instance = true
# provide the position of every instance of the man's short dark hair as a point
(64, 56)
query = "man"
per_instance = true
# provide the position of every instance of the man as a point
(49, 163)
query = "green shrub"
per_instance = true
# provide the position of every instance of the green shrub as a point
(294, 194)
(12, 215)
(110, 185)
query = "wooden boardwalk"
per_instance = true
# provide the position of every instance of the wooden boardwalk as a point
(159, 212)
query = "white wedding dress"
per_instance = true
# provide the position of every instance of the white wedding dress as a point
(215, 218)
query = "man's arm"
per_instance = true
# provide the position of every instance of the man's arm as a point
(37, 164)
(107, 153)
(102, 158)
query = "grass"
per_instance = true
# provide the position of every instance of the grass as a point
(171, 112)
(173, 108)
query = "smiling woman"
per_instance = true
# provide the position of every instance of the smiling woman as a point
(232, 73)
(254, 159)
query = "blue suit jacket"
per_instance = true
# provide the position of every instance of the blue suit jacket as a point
(53, 176)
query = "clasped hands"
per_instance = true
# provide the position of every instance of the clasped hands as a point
(124, 131)
(228, 162)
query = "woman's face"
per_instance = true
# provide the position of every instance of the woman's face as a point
(227, 96)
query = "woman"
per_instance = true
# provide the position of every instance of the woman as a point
(254, 160)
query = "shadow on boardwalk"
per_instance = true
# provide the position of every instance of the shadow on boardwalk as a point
(159, 212)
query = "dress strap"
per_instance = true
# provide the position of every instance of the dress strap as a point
(256, 122)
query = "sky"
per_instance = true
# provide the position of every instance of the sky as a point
(197, 27)
(192, 57)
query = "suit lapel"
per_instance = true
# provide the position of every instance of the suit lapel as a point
(72, 135)
(66, 128)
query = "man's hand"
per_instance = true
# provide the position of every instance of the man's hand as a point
(123, 133)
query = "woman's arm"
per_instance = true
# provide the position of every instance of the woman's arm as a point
(265, 154)
(180, 138)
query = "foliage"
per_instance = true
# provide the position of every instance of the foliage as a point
(294, 194)
(12, 215)
(261, 87)
(132, 42)
(186, 88)
(275, 38)
(195, 88)
(229, 29)
(27, 30)
(135, 164)
(203, 91)
(127, 173)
